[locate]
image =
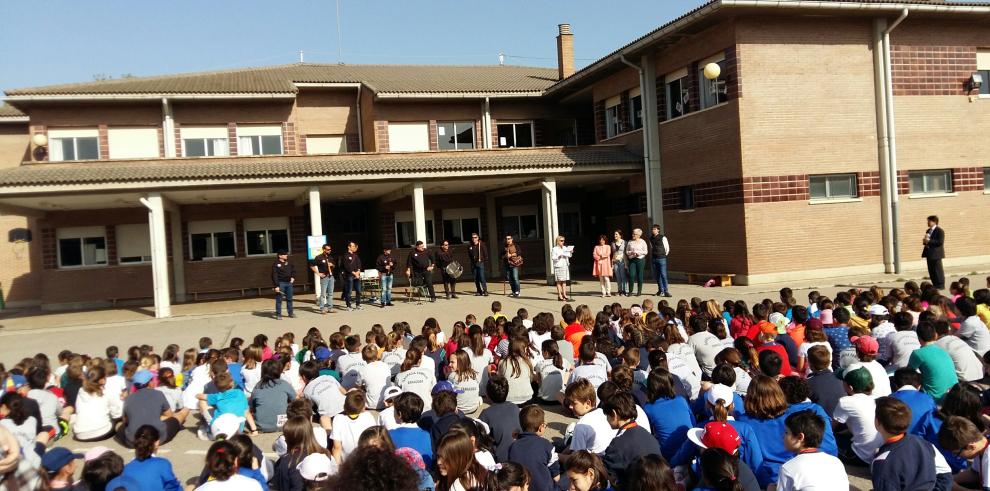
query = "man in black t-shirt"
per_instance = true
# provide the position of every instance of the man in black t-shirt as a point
(419, 269)
(350, 274)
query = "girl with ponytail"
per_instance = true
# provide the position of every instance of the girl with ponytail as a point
(719, 471)
(151, 471)
(223, 461)
(551, 372)
(414, 377)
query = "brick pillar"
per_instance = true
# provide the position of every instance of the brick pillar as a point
(239, 238)
(111, 234)
(478, 140)
(388, 227)
(694, 88)
(289, 138)
(434, 145)
(232, 138)
(661, 98)
(185, 243)
(381, 136)
(599, 120)
(161, 142)
(730, 73)
(494, 133)
(624, 113)
(104, 142)
(302, 144)
(49, 248)
(177, 140)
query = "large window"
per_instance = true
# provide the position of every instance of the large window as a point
(211, 240)
(520, 222)
(81, 246)
(455, 135)
(612, 125)
(316, 144)
(204, 141)
(259, 140)
(73, 144)
(712, 91)
(635, 109)
(832, 186)
(460, 223)
(405, 228)
(569, 220)
(678, 94)
(408, 137)
(133, 243)
(513, 135)
(133, 143)
(930, 181)
(266, 235)
(685, 198)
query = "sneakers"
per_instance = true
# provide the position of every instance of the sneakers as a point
(203, 434)
(667, 294)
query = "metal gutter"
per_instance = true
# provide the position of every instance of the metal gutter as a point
(458, 95)
(142, 97)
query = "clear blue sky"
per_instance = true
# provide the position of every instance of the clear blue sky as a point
(62, 41)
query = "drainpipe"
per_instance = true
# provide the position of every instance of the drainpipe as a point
(168, 129)
(883, 144)
(892, 138)
(486, 124)
(646, 143)
(360, 136)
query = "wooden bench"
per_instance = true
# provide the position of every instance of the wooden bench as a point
(114, 300)
(258, 290)
(724, 279)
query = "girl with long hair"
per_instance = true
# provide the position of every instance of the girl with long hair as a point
(223, 462)
(586, 472)
(271, 397)
(155, 472)
(251, 371)
(414, 377)
(459, 470)
(518, 370)
(466, 379)
(551, 372)
(299, 443)
(96, 410)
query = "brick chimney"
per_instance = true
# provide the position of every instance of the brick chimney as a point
(565, 51)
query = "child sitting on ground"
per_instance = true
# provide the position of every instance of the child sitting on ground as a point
(348, 425)
(907, 461)
(229, 403)
(501, 417)
(908, 383)
(408, 409)
(961, 437)
(858, 439)
(533, 451)
(810, 468)
(631, 440)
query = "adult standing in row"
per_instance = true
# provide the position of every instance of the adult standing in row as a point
(322, 265)
(660, 248)
(386, 267)
(283, 276)
(619, 261)
(636, 251)
(513, 260)
(934, 252)
(478, 255)
(419, 269)
(560, 258)
(443, 258)
(602, 267)
(350, 267)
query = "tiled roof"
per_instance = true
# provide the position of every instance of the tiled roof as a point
(279, 79)
(8, 111)
(317, 167)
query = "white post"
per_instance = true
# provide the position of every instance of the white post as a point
(419, 212)
(651, 132)
(159, 257)
(178, 264)
(168, 129)
(549, 191)
(493, 240)
(315, 228)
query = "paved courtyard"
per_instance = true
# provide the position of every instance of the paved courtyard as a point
(24, 333)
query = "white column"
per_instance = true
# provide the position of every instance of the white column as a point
(549, 192)
(651, 132)
(168, 129)
(492, 239)
(419, 212)
(178, 264)
(159, 256)
(315, 227)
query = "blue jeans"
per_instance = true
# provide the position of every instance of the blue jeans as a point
(480, 282)
(352, 284)
(660, 272)
(326, 293)
(387, 288)
(285, 288)
(512, 274)
(619, 276)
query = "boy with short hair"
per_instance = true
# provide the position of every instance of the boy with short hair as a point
(204, 344)
(961, 437)
(231, 355)
(228, 400)
(349, 424)
(374, 376)
(938, 372)
(324, 390)
(112, 353)
(905, 461)
(408, 409)
(631, 440)
(501, 417)
(344, 330)
(349, 364)
(497, 310)
(866, 351)
(858, 440)
(444, 406)
(908, 383)
(534, 452)
(903, 341)
(826, 389)
(810, 468)
(592, 432)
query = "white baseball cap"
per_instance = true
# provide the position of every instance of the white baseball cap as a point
(316, 467)
(392, 392)
(719, 391)
(878, 309)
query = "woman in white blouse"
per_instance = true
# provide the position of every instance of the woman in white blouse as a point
(636, 250)
(560, 257)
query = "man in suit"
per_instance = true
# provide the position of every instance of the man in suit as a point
(934, 252)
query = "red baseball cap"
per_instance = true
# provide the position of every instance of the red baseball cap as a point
(716, 435)
(865, 344)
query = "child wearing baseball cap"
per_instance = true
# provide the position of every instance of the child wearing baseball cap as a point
(866, 350)
(719, 460)
(858, 438)
(60, 465)
(810, 468)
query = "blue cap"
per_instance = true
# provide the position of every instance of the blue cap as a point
(18, 381)
(57, 458)
(124, 482)
(142, 377)
(322, 353)
(445, 386)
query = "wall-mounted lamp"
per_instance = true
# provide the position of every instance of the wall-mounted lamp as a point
(40, 141)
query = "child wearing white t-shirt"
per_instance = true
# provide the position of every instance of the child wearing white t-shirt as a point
(375, 376)
(810, 468)
(348, 425)
(858, 412)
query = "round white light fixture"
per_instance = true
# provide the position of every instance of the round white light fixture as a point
(712, 71)
(39, 140)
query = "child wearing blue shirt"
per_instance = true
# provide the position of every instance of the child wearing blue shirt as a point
(228, 400)
(408, 410)
(152, 472)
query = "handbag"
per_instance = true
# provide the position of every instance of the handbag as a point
(454, 269)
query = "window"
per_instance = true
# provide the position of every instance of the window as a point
(73, 144)
(133, 143)
(408, 137)
(569, 220)
(460, 223)
(520, 222)
(211, 240)
(930, 181)
(81, 246)
(259, 140)
(712, 92)
(612, 126)
(455, 136)
(264, 236)
(986, 179)
(678, 94)
(204, 141)
(325, 144)
(405, 228)
(685, 198)
(513, 135)
(983, 68)
(133, 243)
(832, 186)
(635, 109)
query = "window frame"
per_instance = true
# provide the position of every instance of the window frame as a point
(829, 182)
(635, 121)
(73, 135)
(704, 85)
(459, 215)
(986, 180)
(81, 234)
(925, 175)
(612, 125)
(260, 135)
(518, 212)
(409, 216)
(570, 208)
(118, 234)
(515, 131)
(688, 204)
(214, 229)
(454, 125)
(267, 229)
(684, 87)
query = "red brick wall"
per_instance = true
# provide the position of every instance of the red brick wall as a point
(104, 142)
(289, 138)
(931, 70)
(381, 135)
(434, 136)
(232, 138)
(967, 179)
(599, 109)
